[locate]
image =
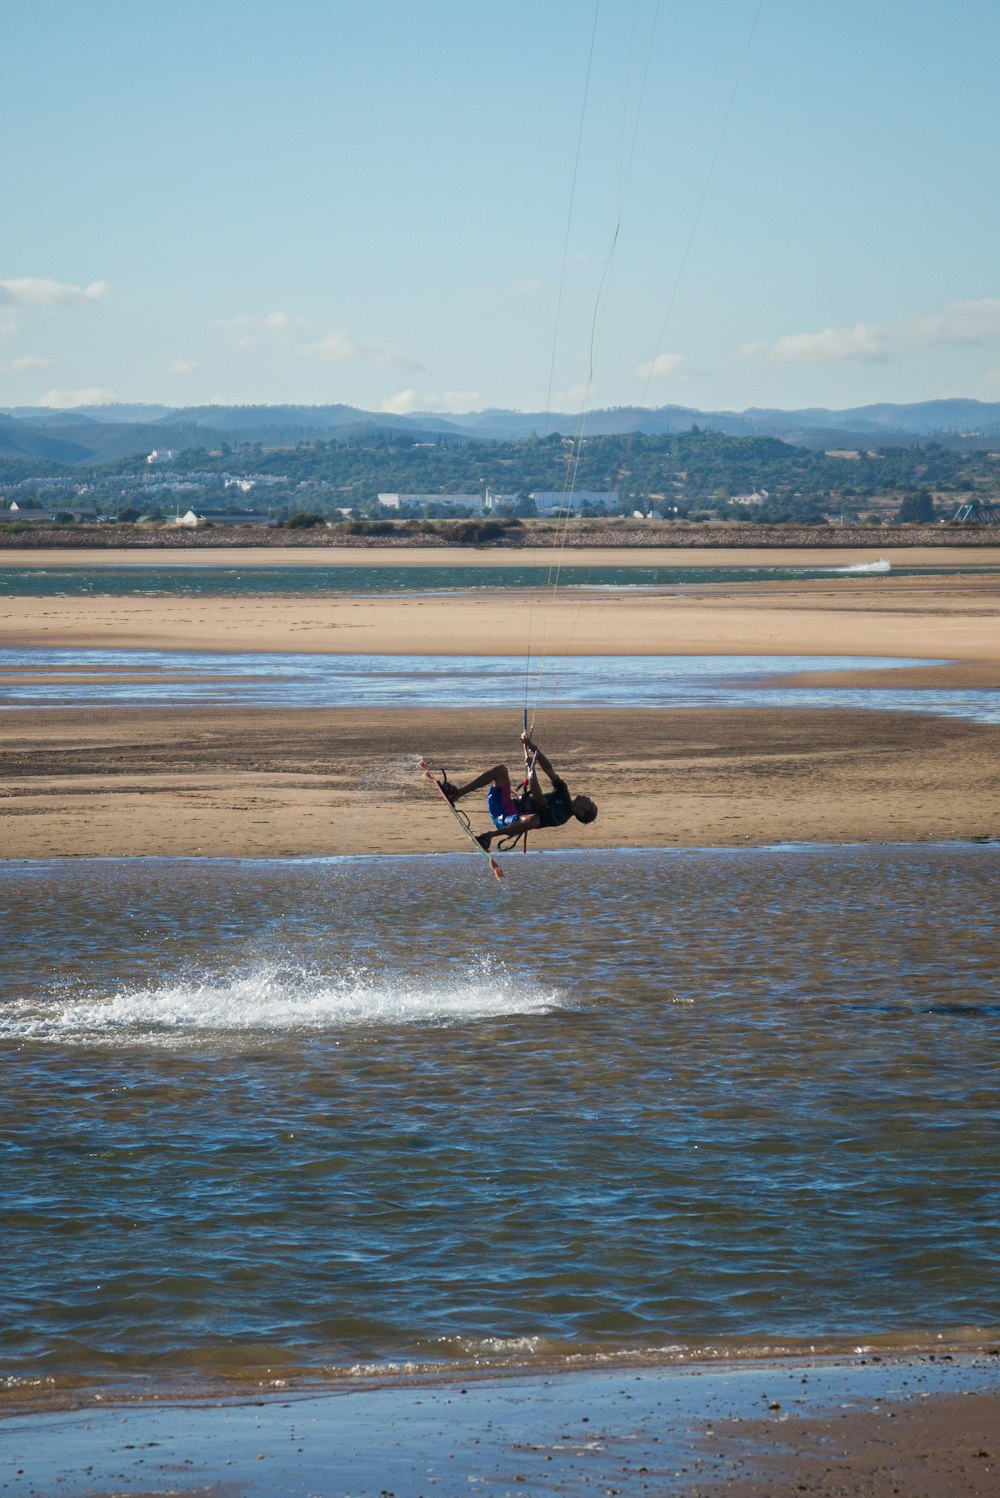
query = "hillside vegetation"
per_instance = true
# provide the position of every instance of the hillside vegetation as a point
(690, 475)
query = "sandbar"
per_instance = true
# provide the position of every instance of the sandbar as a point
(229, 782)
(915, 617)
(119, 781)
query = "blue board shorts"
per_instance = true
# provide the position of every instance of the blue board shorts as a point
(501, 806)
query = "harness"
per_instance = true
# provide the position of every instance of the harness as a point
(510, 841)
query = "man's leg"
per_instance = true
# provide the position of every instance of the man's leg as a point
(526, 823)
(499, 775)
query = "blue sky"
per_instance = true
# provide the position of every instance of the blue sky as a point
(371, 202)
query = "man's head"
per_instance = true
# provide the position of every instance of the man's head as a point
(584, 809)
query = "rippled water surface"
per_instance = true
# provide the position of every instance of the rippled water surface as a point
(184, 579)
(139, 678)
(268, 1119)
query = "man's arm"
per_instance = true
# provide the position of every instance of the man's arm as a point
(540, 758)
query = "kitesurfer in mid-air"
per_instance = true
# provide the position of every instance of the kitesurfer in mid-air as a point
(514, 814)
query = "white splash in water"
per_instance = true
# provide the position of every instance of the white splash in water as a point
(859, 568)
(269, 1000)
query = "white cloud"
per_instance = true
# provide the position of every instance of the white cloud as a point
(340, 347)
(461, 401)
(30, 361)
(574, 395)
(663, 367)
(65, 400)
(457, 401)
(832, 346)
(337, 347)
(391, 357)
(401, 404)
(8, 328)
(271, 322)
(182, 366)
(274, 328)
(36, 292)
(957, 323)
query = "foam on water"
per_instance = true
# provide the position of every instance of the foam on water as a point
(269, 999)
(861, 568)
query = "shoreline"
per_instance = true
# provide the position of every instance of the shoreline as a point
(195, 1386)
(769, 1427)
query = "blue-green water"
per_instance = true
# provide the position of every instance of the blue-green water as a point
(308, 1118)
(187, 580)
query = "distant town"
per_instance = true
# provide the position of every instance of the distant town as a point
(287, 475)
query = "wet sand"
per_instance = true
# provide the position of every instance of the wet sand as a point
(231, 783)
(923, 1427)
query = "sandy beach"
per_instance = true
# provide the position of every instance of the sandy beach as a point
(925, 616)
(174, 781)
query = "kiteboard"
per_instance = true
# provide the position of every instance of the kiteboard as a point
(462, 822)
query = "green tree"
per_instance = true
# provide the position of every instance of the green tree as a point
(917, 508)
(302, 520)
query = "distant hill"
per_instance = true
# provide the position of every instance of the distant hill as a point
(19, 440)
(112, 433)
(273, 425)
(118, 413)
(84, 440)
(967, 420)
(925, 418)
